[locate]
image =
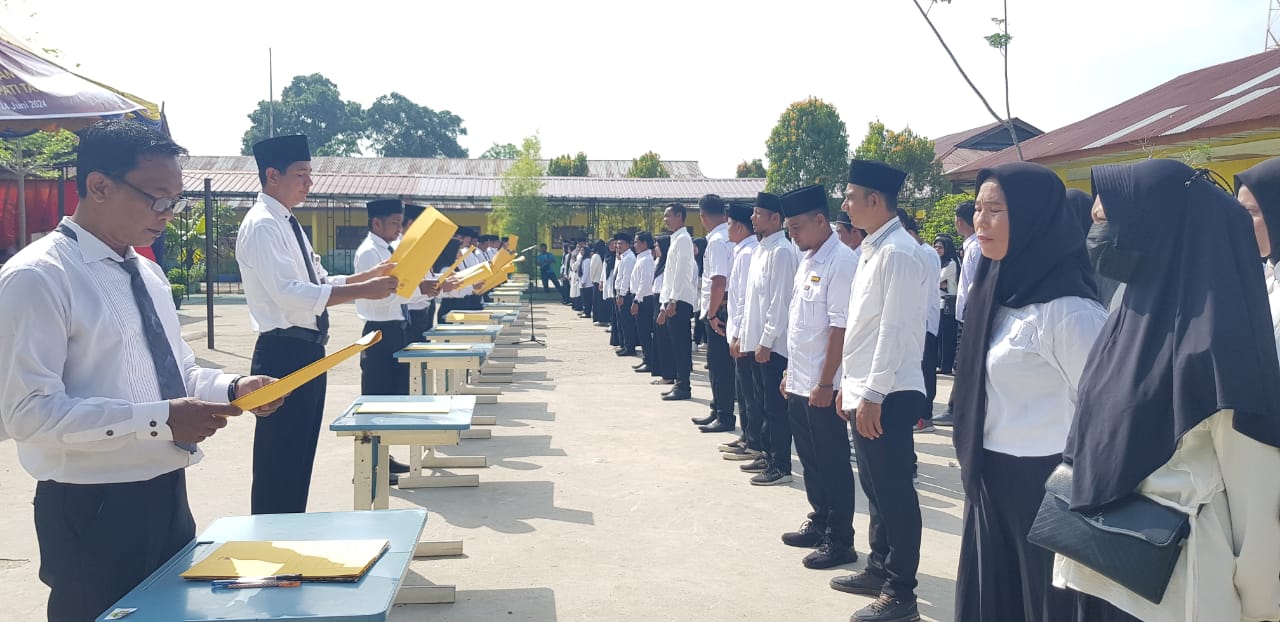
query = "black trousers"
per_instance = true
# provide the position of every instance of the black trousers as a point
(700, 331)
(681, 343)
(604, 308)
(549, 277)
(420, 321)
(884, 470)
(930, 368)
(98, 541)
(666, 368)
(947, 341)
(470, 302)
(722, 373)
(749, 404)
(951, 399)
(445, 306)
(627, 323)
(1002, 576)
(284, 444)
(380, 372)
(587, 302)
(776, 423)
(823, 448)
(644, 328)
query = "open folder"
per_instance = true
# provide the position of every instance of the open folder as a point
(418, 249)
(315, 560)
(478, 273)
(294, 381)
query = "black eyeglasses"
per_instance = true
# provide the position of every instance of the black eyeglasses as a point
(159, 205)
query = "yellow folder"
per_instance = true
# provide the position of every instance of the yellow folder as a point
(315, 560)
(294, 381)
(475, 274)
(419, 248)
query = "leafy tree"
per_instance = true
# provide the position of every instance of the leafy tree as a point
(809, 145)
(313, 106)
(37, 155)
(942, 219)
(397, 127)
(568, 166)
(501, 152)
(521, 209)
(754, 168)
(909, 152)
(648, 165)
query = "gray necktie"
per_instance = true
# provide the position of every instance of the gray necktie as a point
(167, 373)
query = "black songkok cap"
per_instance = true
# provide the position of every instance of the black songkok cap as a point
(805, 200)
(769, 201)
(876, 176)
(740, 212)
(412, 212)
(622, 237)
(279, 152)
(384, 207)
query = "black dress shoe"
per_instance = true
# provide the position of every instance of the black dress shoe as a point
(625, 352)
(398, 467)
(860, 582)
(677, 395)
(887, 609)
(756, 466)
(830, 555)
(807, 536)
(700, 421)
(642, 369)
(718, 426)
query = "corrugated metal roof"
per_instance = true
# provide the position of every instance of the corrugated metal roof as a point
(954, 151)
(1231, 98)
(445, 167)
(478, 192)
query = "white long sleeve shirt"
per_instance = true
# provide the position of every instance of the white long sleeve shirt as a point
(934, 316)
(277, 289)
(884, 343)
(680, 280)
(949, 278)
(968, 270)
(78, 387)
(642, 275)
(622, 274)
(819, 302)
(372, 251)
(769, 284)
(717, 261)
(736, 289)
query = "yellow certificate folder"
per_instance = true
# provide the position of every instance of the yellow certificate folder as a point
(315, 560)
(418, 249)
(478, 273)
(294, 381)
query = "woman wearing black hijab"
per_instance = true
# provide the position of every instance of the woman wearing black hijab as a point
(1258, 190)
(665, 370)
(1030, 320)
(949, 284)
(1180, 400)
(1080, 204)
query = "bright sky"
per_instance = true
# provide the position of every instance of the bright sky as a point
(700, 80)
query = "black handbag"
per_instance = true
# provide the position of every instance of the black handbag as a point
(1134, 541)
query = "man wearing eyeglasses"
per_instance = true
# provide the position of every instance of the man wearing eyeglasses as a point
(97, 387)
(288, 292)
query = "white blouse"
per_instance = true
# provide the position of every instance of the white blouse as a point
(1273, 295)
(949, 277)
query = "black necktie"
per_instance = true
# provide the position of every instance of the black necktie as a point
(322, 320)
(404, 308)
(167, 374)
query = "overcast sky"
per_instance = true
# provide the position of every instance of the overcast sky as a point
(691, 79)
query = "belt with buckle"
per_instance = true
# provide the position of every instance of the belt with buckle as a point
(299, 333)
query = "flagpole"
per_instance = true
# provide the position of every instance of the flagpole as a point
(271, 97)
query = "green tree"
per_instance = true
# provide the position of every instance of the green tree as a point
(942, 219)
(754, 168)
(37, 155)
(501, 152)
(909, 152)
(648, 165)
(521, 209)
(568, 166)
(809, 145)
(397, 127)
(313, 106)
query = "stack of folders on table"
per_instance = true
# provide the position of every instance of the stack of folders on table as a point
(307, 560)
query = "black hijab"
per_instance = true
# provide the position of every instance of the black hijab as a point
(1192, 334)
(447, 256)
(664, 244)
(1080, 204)
(1046, 261)
(948, 251)
(700, 249)
(1263, 181)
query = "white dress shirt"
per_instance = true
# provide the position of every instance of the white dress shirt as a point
(934, 315)
(968, 270)
(597, 269)
(78, 387)
(1034, 362)
(889, 303)
(641, 281)
(1273, 296)
(607, 280)
(277, 289)
(371, 252)
(949, 277)
(769, 283)
(681, 282)
(819, 302)
(622, 274)
(585, 268)
(736, 288)
(717, 260)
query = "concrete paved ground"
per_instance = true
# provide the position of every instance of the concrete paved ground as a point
(602, 502)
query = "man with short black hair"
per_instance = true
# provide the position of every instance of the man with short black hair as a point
(717, 260)
(678, 297)
(97, 387)
(750, 444)
(644, 299)
(624, 294)
(971, 252)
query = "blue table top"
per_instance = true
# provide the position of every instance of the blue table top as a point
(461, 408)
(165, 596)
(481, 349)
(471, 329)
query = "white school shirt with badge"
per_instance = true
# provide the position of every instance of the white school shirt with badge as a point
(819, 302)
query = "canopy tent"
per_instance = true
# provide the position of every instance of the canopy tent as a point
(37, 94)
